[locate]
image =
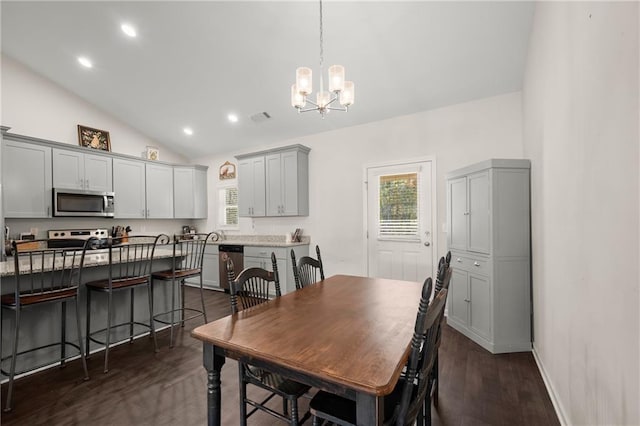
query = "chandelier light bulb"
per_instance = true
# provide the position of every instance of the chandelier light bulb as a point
(347, 96)
(304, 80)
(323, 99)
(336, 78)
(297, 98)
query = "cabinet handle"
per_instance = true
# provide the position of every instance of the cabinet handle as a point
(466, 213)
(148, 213)
(459, 260)
(142, 212)
(467, 300)
(87, 183)
(476, 264)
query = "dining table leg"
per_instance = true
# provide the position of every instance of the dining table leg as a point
(369, 410)
(213, 364)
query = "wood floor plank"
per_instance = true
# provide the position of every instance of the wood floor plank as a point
(168, 388)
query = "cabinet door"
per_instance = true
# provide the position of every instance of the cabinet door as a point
(211, 270)
(183, 193)
(457, 213)
(159, 191)
(480, 310)
(98, 173)
(479, 216)
(251, 187)
(274, 185)
(129, 189)
(26, 180)
(68, 169)
(290, 181)
(458, 297)
(200, 194)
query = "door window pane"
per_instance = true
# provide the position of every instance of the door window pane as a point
(399, 207)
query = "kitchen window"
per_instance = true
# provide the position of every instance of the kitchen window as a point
(228, 207)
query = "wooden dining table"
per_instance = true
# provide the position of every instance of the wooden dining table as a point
(349, 335)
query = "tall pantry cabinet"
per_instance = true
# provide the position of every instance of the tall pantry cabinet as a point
(488, 218)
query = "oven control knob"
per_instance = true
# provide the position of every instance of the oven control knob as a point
(55, 235)
(62, 234)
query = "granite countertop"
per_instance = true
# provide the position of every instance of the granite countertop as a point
(262, 241)
(95, 258)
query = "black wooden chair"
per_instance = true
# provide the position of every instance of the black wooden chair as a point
(252, 287)
(188, 254)
(43, 276)
(307, 270)
(130, 266)
(442, 283)
(404, 405)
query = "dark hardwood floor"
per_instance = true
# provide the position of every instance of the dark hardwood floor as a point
(168, 388)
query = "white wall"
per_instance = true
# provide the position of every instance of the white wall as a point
(455, 136)
(580, 111)
(35, 106)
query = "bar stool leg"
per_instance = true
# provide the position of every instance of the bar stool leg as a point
(151, 325)
(88, 331)
(182, 301)
(108, 339)
(204, 310)
(173, 310)
(63, 334)
(82, 356)
(12, 370)
(131, 316)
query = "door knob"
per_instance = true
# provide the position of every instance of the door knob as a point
(427, 244)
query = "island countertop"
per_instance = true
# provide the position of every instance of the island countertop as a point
(92, 259)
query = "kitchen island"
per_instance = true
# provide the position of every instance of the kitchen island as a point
(40, 325)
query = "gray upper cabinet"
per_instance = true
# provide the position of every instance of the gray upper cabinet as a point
(274, 182)
(77, 170)
(189, 192)
(26, 179)
(488, 216)
(129, 189)
(288, 183)
(159, 191)
(251, 186)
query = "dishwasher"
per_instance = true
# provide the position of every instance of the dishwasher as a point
(236, 254)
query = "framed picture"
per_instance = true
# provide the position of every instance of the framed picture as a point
(227, 171)
(153, 153)
(94, 138)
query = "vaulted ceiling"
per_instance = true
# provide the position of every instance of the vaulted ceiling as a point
(193, 63)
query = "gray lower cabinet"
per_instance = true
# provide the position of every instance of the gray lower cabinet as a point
(260, 257)
(488, 217)
(26, 179)
(210, 269)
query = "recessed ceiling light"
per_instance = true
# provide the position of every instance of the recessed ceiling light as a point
(85, 62)
(187, 131)
(232, 118)
(128, 30)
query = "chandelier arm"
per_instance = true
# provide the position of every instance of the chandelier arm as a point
(309, 109)
(345, 109)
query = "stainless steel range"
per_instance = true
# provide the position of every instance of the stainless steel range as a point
(68, 238)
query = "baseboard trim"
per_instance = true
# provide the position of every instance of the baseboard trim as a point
(560, 412)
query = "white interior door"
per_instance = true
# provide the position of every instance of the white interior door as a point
(399, 221)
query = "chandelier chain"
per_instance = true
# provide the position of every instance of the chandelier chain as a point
(321, 48)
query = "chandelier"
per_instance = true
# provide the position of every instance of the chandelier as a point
(339, 89)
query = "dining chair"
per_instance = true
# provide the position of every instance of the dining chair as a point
(443, 278)
(130, 265)
(43, 276)
(307, 270)
(252, 287)
(403, 406)
(188, 255)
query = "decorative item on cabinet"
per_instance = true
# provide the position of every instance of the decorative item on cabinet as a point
(152, 153)
(227, 171)
(89, 137)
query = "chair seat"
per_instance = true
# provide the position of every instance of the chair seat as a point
(118, 283)
(179, 274)
(40, 297)
(341, 410)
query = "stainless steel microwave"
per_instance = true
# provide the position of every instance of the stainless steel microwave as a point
(81, 203)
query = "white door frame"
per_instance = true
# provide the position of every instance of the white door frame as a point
(434, 208)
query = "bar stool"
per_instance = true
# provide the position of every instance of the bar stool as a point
(188, 255)
(130, 266)
(43, 276)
